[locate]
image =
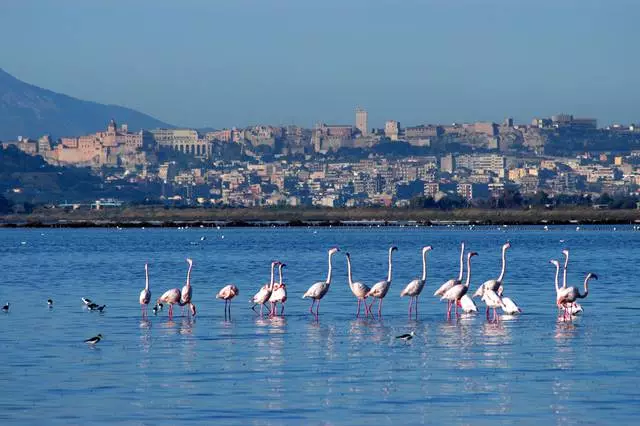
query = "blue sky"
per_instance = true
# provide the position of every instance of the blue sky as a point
(241, 62)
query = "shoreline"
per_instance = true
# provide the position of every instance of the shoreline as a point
(154, 217)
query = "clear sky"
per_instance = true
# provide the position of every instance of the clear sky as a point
(240, 62)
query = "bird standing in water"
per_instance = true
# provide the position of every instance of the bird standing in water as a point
(93, 340)
(406, 337)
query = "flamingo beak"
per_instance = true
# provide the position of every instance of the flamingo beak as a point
(594, 276)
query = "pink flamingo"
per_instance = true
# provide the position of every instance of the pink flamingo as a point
(414, 288)
(380, 289)
(185, 294)
(317, 291)
(455, 293)
(567, 296)
(227, 293)
(145, 294)
(279, 294)
(171, 297)
(358, 289)
(263, 295)
(454, 281)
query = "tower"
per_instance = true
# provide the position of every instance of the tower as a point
(361, 121)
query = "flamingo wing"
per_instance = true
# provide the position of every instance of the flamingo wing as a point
(445, 287)
(467, 304)
(510, 307)
(412, 289)
(315, 290)
(455, 292)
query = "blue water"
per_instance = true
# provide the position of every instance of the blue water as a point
(293, 370)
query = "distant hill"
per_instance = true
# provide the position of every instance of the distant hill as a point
(28, 110)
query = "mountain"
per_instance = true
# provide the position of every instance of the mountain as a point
(28, 110)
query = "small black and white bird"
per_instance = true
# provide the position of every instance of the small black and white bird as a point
(93, 340)
(5, 308)
(155, 309)
(406, 337)
(95, 307)
(86, 301)
(50, 303)
(92, 306)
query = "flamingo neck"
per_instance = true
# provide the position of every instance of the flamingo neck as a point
(146, 277)
(189, 275)
(424, 266)
(504, 264)
(468, 272)
(330, 268)
(349, 271)
(586, 288)
(280, 274)
(389, 271)
(564, 273)
(461, 263)
(557, 274)
(273, 266)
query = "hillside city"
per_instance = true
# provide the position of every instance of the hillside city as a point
(353, 165)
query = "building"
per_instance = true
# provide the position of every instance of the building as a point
(447, 163)
(185, 141)
(470, 191)
(116, 146)
(392, 129)
(362, 121)
(483, 163)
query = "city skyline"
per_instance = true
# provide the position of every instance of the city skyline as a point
(437, 63)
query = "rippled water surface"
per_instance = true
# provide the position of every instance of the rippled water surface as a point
(293, 370)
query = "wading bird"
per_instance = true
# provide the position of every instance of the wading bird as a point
(279, 294)
(263, 295)
(380, 289)
(317, 290)
(227, 293)
(145, 294)
(455, 293)
(414, 288)
(447, 285)
(358, 289)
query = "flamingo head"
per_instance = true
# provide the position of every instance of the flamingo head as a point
(500, 291)
(471, 254)
(146, 266)
(393, 248)
(555, 262)
(592, 275)
(565, 252)
(333, 250)
(426, 249)
(507, 245)
(348, 255)
(282, 265)
(190, 262)
(193, 309)
(275, 262)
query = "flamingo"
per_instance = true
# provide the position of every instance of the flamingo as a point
(447, 285)
(263, 295)
(510, 307)
(493, 300)
(171, 297)
(575, 307)
(358, 289)
(227, 293)
(185, 294)
(279, 294)
(455, 293)
(467, 304)
(414, 288)
(379, 290)
(145, 294)
(570, 294)
(496, 283)
(319, 289)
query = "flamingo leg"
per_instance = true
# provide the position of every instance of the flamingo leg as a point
(318, 309)
(282, 309)
(358, 311)
(449, 309)
(416, 307)
(313, 302)
(410, 303)
(380, 308)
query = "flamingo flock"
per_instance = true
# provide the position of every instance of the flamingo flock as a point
(454, 291)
